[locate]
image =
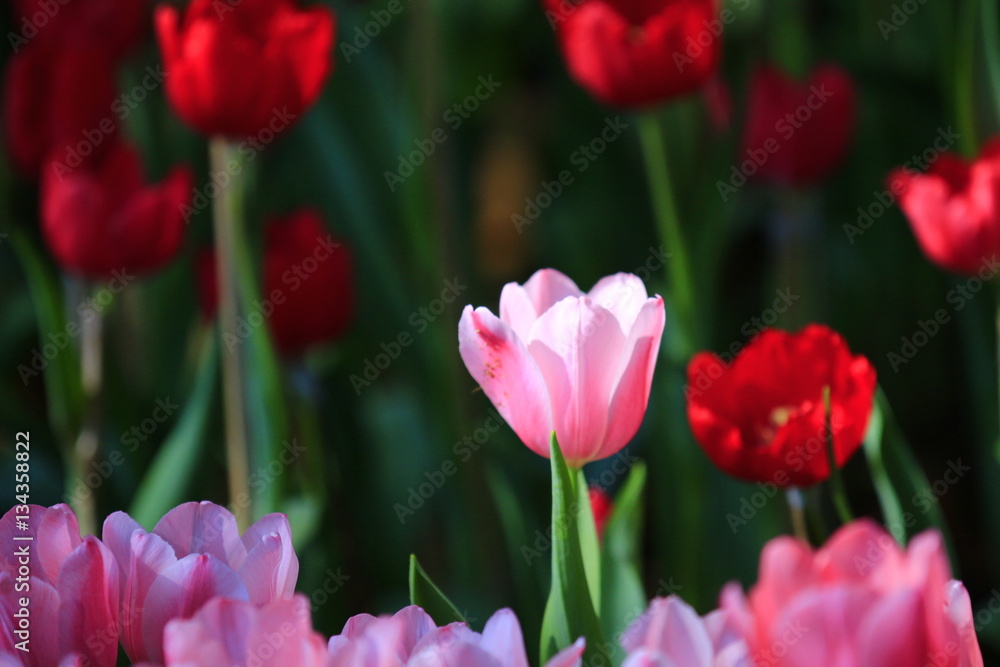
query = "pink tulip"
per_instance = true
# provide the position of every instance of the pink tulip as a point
(231, 632)
(860, 601)
(410, 639)
(560, 360)
(671, 633)
(194, 554)
(71, 585)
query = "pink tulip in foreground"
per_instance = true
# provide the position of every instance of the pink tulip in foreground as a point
(71, 585)
(671, 633)
(194, 554)
(860, 601)
(560, 360)
(230, 632)
(410, 638)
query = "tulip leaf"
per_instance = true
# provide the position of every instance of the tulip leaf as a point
(623, 597)
(898, 478)
(165, 482)
(62, 374)
(425, 594)
(590, 546)
(569, 613)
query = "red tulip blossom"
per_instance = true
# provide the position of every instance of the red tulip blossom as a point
(797, 133)
(308, 285)
(954, 209)
(764, 418)
(104, 217)
(638, 53)
(234, 67)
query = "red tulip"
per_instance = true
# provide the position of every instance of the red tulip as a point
(637, 53)
(601, 505)
(954, 208)
(195, 553)
(797, 133)
(72, 590)
(860, 601)
(58, 97)
(308, 288)
(234, 69)
(763, 418)
(103, 218)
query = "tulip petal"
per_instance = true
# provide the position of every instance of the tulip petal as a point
(502, 639)
(671, 627)
(520, 305)
(58, 535)
(571, 656)
(624, 294)
(270, 570)
(43, 610)
(194, 528)
(117, 536)
(181, 590)
(577, 346)
(498, 360)
(88, 614)
(150, 555)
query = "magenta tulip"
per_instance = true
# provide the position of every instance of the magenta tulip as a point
(231, 632)
(671, 633)
(195, 553)
(860, 601)
(559, 360)
(71, 585)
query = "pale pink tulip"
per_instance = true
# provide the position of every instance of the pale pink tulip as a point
(560, 360)
(411, 639)
(670, 633)
(71, 585)
(232, 632)
(195, 553)
(860, 601)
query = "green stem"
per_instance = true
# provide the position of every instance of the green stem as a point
(796, 507)
(226, 207)
(964, 78)
(88, 440)
(668, 221)
(836, 480)
(991, 45)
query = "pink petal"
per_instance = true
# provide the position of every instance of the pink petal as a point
(117, 536)
(578, 349)
(500, 363)
(570, 656)
(624, 294)
(270, 569)
(43, 610)
(418, 623)
(645, 657)
(88, 593)
(181, 590)
(958, 612)
(547, 287)
(631, 394)
(150, 556)
(893, 633)
(671, 627)
(380, 645)
(502, 638)
(194, 528)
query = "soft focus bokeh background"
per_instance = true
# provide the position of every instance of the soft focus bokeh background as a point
(447, 231)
